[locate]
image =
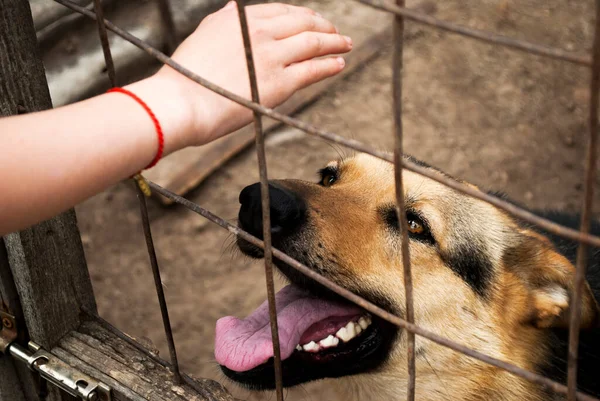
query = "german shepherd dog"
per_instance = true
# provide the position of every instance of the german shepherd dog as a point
(481, 278)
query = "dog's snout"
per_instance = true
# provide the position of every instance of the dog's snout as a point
(287, 210)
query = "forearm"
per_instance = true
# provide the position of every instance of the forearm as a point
(53, 160)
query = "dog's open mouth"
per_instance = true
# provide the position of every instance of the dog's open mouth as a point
(320, 337)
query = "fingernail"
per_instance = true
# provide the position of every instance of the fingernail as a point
(318, 15)
(229, 5)
(341, 61)
(348, 40)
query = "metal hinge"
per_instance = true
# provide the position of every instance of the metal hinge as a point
(50, 367)
(60, 374)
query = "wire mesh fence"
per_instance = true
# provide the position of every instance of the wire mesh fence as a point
(401, 13)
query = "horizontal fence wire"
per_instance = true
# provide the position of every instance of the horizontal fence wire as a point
(368, 306)
(508, 207)
(582, 236)
(488, 37)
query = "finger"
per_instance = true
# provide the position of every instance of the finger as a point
(284, 26)
(271, 10)
(311, 71)
(307, 45)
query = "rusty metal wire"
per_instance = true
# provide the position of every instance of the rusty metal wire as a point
(508, 207)
(586, 215)
(397, 67)
(110, 66)
(158, 284)
(401, 12)
(368, 306)
(144, 213)
(265, 202)
(489, 37)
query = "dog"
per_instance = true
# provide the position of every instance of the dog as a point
(480, 276)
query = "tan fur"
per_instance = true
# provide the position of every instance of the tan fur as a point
(530, 283)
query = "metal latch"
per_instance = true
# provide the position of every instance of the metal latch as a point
(59, 373)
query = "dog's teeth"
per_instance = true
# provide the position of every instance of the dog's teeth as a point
(344, 334)
(329, 342)
(311, 347)
(352, 329)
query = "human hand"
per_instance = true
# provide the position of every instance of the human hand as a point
(286, 41)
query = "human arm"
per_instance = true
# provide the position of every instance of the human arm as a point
(54, 159)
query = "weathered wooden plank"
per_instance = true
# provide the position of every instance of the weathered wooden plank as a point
(17, 382)
(46, 12)
(47, 260)
(9, 298)
(10, 384)
(186, 169)
(133, 373)
(49, 269)
(53, 20)
(73, 56)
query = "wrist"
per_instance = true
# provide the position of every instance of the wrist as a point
(209, 115)
(170, 108)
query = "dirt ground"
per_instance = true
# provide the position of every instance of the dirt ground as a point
(500, 118)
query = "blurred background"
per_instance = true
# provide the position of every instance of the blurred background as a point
(502, 119)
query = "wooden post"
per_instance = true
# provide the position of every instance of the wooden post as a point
(46, 261)
(11, 387)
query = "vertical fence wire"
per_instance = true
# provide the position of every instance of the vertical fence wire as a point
(164, 311)
(264, 194)
(166, 17)
(143, 207)
(586, 215)
(110, 66)
(397, 66)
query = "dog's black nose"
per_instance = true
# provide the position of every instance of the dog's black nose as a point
(287, 210)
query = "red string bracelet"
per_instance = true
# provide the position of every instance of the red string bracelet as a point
(159, 132)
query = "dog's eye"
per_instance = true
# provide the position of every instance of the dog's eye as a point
(415, 226)
(328, 180)
(329, 176)
(418, 228)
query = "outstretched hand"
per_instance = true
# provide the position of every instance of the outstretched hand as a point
(288, 43)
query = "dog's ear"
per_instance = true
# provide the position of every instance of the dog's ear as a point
(548, 279)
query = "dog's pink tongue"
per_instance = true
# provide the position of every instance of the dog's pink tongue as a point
(241, 345)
